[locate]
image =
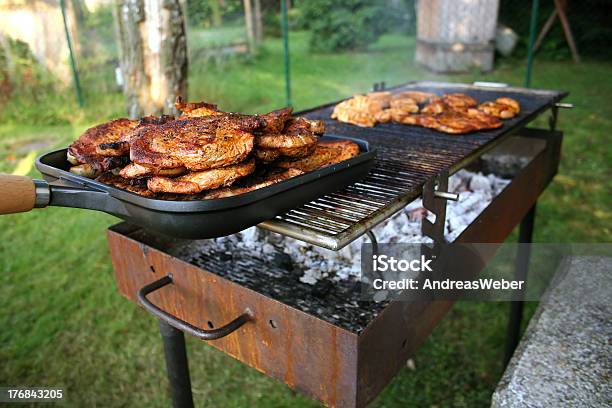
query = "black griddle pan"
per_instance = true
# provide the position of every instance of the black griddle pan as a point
(197, 219)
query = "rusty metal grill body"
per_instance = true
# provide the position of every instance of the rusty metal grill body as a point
(407, 157)
(323, 341)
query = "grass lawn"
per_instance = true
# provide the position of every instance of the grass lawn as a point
(66, 326)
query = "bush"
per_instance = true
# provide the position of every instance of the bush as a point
(343, 25)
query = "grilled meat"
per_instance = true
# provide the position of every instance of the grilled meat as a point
(271, 177)
(355, 117)
(325, 154)
(195, 182)
(459, 101)
(296, 140)
(274, 122)
(358, 110)
(135, 170)
(199, 143)
(417, 96)
(405, 105)
(269, 155)
(121, 147)
(134, 186)
(85, 149)
(504, 108)
(435, 108)
(383, 97)
(196, 109)
(84, 170)
(459, 123)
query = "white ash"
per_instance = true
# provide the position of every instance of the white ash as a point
(476, 193)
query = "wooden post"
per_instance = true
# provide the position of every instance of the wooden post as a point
(258, 24)
(248, 20)
(153, 54)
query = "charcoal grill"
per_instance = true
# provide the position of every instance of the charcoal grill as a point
(332, 346)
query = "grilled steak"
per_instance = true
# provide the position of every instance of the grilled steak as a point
(255, 183)
(135, 170)
(296, 140)
(121, 147)
(274, 122)
(85, 149)
(195, 182)
(325, 154)
(196, 109)
(200, 143)
(133, 186)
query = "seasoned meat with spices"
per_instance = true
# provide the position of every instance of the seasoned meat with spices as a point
(296, 140)
(504, 108)
(197, 181)
(199, 143)
(459, 101)
(269, 178)
(274, 122)
(121, 147)
(134, 186)
(325, 154)
(85, 149)
(135, 170)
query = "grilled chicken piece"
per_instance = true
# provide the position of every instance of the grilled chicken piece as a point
(354, 117)
(383, 97)
(504, 108)
(360, 110)
(200, 143)
(325, 154)
(135, 170)
(195, 182)
(384, 116)
(85, 149)
(459, 123)
(255, 183)
(459, 101)
(405, 104)
(133, 186)
(405, 118)
(435, 108)
(417, 96)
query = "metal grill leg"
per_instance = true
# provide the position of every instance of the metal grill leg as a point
(522, 265)
(177, 366)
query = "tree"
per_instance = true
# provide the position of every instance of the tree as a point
(344, 25)
(153, 54)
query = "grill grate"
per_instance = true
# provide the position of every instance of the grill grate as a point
(407, 157)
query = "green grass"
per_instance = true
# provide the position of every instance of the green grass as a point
(66, 325)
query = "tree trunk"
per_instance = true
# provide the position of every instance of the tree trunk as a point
(153, 54)
(258, 24)
(248, 19)
(217, 16)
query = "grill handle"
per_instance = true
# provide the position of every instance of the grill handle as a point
(201, 334)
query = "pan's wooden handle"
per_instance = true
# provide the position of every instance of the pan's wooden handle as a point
(17, 194)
